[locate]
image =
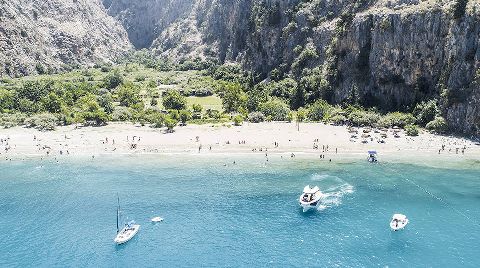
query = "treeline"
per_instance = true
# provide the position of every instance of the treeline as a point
(89, 100)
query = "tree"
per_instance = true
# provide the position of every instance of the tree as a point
(52, 103)
(437, 125)
(174, 100)
(319, 110)
(301, 116)
(170, 123)
(129, 94)
(238, 120)
(276, 109)
(113, 80)
(105, 100)
(91, 112)
(233, 97)
(185, 116)
(425, 112)
(7, 100)
(411, 130)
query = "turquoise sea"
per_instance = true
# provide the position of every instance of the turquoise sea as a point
(243, 215)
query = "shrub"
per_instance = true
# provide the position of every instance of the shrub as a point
(338, 119)
(233, 97)
(12, 120)
(113, 80)
(256, 117)
(203, 92)
(129, 95)
(238, 120)
(121, 114)
(158, 120)
(174, 100)
(437, 125)
(411, 130)
(425, 112)
(185, 116)
(319, 110)
(276, 109)
(140, 78)
(42, 122)
(396, 119)
(215, 114)
(170, 123)
(197, 108)
(363, 118)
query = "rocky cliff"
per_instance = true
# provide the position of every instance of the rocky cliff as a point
(390, 54)
(44, 35)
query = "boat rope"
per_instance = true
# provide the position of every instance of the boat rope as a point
(441, 200)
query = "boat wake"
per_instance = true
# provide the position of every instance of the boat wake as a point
(333, 189)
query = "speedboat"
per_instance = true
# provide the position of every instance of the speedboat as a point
(372, 156)
(127, 233)
(310, 198)
(399, 221)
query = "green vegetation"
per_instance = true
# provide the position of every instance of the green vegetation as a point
(411, 130)
(147, 90)
(437, 125)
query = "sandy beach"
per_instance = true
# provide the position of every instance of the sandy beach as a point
(313, 139)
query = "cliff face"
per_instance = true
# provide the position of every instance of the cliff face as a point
(40, 35)
(389, 54)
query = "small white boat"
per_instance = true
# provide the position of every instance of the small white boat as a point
(157, 219)
(372, 156)
(128, 232)
(399, 221)
(310, 198)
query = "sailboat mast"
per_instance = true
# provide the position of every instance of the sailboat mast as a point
(118, 212)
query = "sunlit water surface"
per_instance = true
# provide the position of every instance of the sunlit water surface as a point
(243, 215)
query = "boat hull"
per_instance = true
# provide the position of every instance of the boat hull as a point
(126, 234)
(396, 226)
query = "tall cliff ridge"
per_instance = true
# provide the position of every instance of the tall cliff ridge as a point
(390, 54)
(44, 35)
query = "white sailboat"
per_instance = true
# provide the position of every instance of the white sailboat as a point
(129, 230)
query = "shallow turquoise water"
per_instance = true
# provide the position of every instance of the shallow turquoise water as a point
(243, 215)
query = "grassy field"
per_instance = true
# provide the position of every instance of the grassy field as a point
(211, 102)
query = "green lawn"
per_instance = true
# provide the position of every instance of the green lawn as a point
(211, 102)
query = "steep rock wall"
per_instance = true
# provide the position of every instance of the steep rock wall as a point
(46, 34)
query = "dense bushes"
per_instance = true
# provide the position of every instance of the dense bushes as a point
(396, 119)
(318, 111)
(174, 100)
(425, 112)
(256, 117)
(42, 122)
(275, 109)
(437, 125)
(411, 130)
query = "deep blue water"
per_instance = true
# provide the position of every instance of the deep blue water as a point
(244, 215)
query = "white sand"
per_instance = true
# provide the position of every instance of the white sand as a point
(91, 141)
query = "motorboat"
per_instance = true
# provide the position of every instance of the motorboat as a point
(157, 219)
(398, 222)
(372, 156)
(127, 232)
(310, 198)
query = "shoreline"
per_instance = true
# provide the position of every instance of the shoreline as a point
(314, 140)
